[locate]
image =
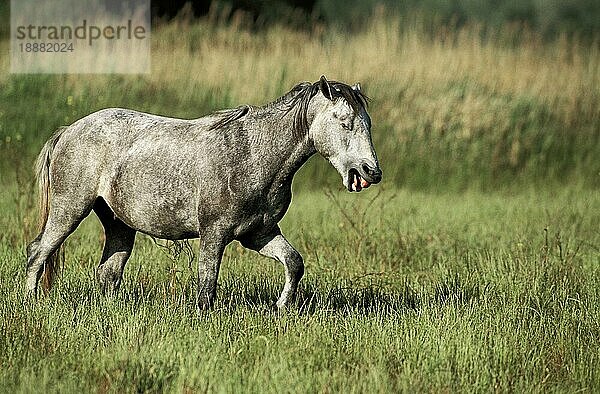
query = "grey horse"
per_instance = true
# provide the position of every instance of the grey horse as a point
(223, 177)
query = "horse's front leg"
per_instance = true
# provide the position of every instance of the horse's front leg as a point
(274, 245)
(209, 260)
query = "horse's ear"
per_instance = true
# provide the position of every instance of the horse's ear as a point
(325, 87)
(356, 87)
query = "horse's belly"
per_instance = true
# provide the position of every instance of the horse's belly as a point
(164, 209)
(159, 220)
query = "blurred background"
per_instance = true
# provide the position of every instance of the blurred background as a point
(466, 94)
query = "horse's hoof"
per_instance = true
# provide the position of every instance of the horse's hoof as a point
(284, 305)
(204, 306)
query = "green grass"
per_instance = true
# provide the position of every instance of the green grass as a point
(467, 292)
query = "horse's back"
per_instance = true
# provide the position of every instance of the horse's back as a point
(106, 136)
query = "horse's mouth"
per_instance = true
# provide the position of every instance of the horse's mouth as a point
(356, 182)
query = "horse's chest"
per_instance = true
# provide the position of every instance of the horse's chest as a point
(277, 205)
(265, 212)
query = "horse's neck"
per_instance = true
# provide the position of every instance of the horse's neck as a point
(285, 151)
(296, 158)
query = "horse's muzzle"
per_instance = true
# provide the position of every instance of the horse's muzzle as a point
(371, 174)
(361, 177)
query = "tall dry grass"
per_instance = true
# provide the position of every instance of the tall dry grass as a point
(388, 56)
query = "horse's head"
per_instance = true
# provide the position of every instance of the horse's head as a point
(341, 132)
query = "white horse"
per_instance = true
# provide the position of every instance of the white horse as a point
(223, 177)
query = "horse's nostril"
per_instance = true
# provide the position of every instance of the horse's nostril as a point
(374, 173)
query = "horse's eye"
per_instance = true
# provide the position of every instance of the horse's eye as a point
(345, 126)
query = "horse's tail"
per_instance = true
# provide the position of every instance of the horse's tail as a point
(42, 170)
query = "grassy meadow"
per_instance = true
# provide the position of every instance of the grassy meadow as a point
(474, 265)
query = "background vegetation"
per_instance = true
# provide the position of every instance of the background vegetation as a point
(473, 266)
(548, 17)
(451, 111)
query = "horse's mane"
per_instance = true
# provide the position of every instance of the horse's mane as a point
(301, 94)
(298, 100)
(229, 115)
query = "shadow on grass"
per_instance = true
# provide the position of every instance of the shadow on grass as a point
(314, 297)
(350, 299)
(260, 293)
(358, 300)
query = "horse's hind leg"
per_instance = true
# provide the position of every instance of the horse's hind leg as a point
(63, 218)
(118, 244)
(34, 271)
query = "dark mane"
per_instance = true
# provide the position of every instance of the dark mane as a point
(229, 115)
(289, 96)
(299, 98)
